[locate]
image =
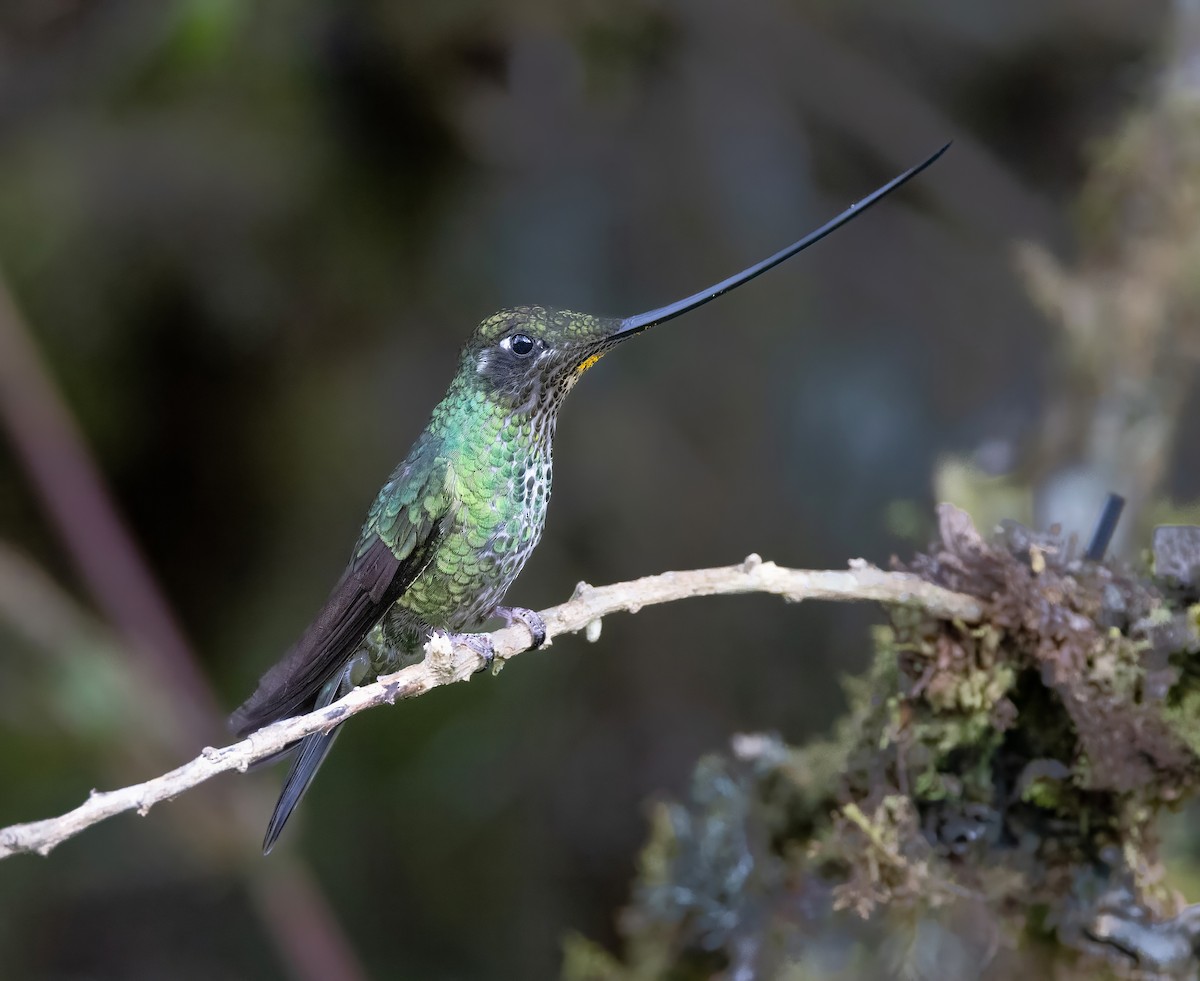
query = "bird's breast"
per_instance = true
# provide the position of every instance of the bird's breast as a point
(499, 494)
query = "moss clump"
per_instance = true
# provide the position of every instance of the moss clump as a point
(988, 784)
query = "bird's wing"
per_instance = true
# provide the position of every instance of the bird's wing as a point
(401, 535)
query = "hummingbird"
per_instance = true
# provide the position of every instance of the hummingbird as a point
(456, 521)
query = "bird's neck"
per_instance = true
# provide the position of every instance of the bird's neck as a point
(472, 418)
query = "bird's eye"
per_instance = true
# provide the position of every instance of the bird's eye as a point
(521, 345)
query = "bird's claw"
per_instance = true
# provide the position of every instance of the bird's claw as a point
(532, 620)
(480, 644)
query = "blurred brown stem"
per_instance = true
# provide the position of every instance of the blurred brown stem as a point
(73, 491)
(76, 498)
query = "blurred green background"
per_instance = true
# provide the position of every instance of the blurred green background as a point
(247, 241)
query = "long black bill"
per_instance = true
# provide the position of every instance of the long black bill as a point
(640, 321)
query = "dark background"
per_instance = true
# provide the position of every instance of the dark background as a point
(247, 241)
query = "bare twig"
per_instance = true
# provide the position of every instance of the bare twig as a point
(445, 663)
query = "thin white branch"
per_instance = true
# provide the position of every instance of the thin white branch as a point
(446, 662)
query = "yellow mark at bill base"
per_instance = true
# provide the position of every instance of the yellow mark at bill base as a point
(587, 363)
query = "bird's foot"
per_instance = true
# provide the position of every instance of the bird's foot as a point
(531, 618)
(481, 644)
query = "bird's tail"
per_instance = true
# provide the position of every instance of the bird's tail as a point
(312, 750)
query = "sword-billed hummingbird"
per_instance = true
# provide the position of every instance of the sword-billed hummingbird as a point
(456, 521)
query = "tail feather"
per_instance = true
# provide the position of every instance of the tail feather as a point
(312, 752)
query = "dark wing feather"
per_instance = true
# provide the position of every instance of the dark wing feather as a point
(374, 581)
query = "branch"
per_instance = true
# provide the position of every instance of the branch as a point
(446, 662)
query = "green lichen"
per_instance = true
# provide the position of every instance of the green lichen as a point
(1183, 718)
(1048, 794)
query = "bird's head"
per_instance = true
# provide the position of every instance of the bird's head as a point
(534, 355)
